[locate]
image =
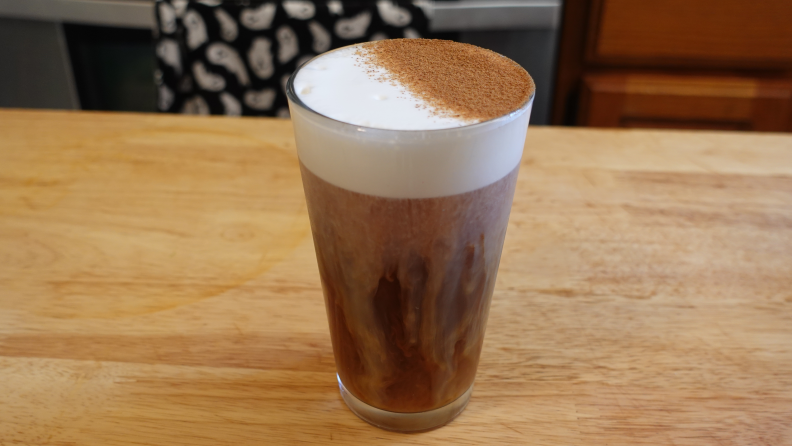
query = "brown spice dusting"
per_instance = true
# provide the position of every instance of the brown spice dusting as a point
(457, 79)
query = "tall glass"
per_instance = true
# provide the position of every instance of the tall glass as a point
(408, 228)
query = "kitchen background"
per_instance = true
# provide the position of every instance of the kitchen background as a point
(709, 64)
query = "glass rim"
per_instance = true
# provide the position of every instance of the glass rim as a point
(293, 98)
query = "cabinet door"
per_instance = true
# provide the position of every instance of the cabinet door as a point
(686, 102)
(661, 33)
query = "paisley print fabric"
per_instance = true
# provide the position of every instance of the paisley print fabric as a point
(234, 57)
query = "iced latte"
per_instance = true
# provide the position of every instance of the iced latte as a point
(409, 151)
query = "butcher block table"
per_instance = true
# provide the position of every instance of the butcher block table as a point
(158, 286)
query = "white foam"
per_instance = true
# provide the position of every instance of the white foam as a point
(417, 163)
(341, 86)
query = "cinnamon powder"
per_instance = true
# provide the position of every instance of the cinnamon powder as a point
(455, 79)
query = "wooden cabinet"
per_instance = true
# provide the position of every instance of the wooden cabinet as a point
(712, 64)
(685, 101)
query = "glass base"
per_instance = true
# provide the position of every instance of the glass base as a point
(405, 422)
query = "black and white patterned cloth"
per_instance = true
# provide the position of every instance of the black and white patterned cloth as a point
(234, 57)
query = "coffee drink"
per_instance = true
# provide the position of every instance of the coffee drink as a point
(409, 190)
(408, 283)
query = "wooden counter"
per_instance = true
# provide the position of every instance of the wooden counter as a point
(158, 286)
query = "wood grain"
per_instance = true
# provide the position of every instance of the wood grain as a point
(158, 286)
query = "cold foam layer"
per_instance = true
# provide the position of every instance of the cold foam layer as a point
(399, 164)
(430, 162)
(341, 85)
